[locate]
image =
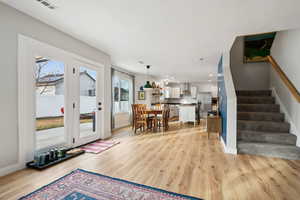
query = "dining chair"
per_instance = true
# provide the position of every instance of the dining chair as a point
(133, 108)
(140, 121)
(164, 119)
(150, 118)
(157, 106)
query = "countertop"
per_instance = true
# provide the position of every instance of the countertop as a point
(181, 104)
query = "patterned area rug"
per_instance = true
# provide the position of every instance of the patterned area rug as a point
(99, 146)
(85, 185)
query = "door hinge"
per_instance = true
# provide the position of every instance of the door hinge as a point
(73, 70)
(73, 105)
(73, 140)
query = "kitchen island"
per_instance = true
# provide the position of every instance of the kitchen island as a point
(175, 108)
(187, 113)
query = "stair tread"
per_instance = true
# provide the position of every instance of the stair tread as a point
(258, 108)
(243, 143)
(261, 122)
(265, 132)
(265, 126)
(255, 97)
(258, 104)
(254, 92)
(260, 116)
(284, 151)
(260, 113)
(267, 137)
(270, 145)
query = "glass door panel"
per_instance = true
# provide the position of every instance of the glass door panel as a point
(88, 102)
(88, 96)
(50, 103)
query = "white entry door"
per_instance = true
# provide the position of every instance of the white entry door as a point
(60, 98)
(88, 103)
(68, 103)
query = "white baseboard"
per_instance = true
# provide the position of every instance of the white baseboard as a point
(11, 168)
(106, 135)
(288, 118)
(227, 149)
(121, 119)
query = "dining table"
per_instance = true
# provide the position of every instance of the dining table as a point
(154, 112)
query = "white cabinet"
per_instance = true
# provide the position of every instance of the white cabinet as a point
(170, 92)
(187, 113)
(176, 92)
(174, 111)
(167, 92)
(194, 92)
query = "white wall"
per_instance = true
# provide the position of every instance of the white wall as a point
(247, 76)
(13, 23)
(122, 119)
(140, 80)
(231, 122)
(285, 51)
(211, 87)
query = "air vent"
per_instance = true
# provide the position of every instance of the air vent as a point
(47, 4)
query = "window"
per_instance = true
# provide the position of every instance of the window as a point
(122, 92)
(116, 88)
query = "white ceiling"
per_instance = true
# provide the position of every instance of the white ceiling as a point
(170, 35)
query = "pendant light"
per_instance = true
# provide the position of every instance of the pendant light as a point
(148, 85)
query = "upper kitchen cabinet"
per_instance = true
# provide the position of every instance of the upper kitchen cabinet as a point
(170, 92)
(194, 92)
(167, 92)
(176, 93)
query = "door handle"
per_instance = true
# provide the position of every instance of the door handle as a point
(99, 108)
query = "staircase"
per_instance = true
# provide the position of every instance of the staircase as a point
(261, 127)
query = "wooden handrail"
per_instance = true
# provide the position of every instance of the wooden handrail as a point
(284, 78)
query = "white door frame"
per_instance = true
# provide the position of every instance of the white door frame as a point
(28, 48)
(99, 98)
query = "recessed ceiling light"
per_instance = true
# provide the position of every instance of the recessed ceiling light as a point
(201, 59)
(141, 62)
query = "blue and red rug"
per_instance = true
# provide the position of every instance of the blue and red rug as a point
(84, 185)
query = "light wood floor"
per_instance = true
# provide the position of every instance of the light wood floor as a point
(180, 160)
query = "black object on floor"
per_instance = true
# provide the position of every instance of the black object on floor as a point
(33, 165)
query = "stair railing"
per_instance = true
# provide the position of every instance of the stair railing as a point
(284, 78)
